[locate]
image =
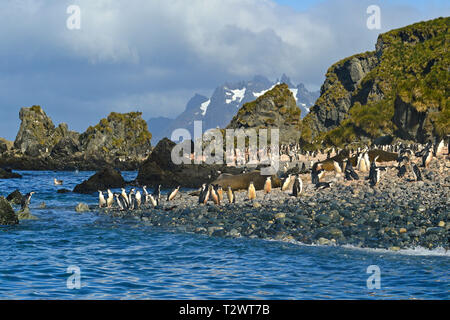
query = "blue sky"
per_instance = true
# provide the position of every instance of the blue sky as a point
(152, 56)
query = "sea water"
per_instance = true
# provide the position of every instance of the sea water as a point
(70, 255)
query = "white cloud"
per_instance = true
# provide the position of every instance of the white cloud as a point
(155, 54)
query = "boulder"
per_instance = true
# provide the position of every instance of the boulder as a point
(159, 169)
(15, 197)
(7, 215)
(82, 207)
(107, 178)
(8, 174)
(25, 214)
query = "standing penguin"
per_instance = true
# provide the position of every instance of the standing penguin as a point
(172, 195)
(251, 191)
(220, 193)
(124, 198)
(376, 176)
(152, 200)
(119, 201)
(157, 193)
(202, 195)
(230, 194)
(297, 188)
(350, 173)
(267, 186)
(316, 173)
(110, 199)
(373, 167)
(214, 195)
(138, 200)
(131, 199)
(416, 172)
(427, 157)
(145, 195)
(286, 183)
(101, 199)
(337, 167)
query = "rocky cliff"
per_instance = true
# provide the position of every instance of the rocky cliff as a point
(400, 89)
(120, 140)
(274, 109)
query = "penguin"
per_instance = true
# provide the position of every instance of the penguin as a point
(110, 199)
(131, 199)
(214, 195)
(376, 176)
(350, 173)
(157, 193)
(101, 199)
(426, 159)
(401, 170)
(138, 199)
(317, 173)
(267, 186)
(303, 170)
(366, 160)
(440, 148)
(230, 194)
(201, 196)
(373, 167)
(362, 164)
(173, 194)
(119, 201)
(323, 185)
(205, 194)
(145, 195)
(251, 191)
(152, 200)
(124, 198)
(220, 193)
(286, 183)
(26, 199)
(57, 182)
(337, 167)
(416, 172)
(297, 188)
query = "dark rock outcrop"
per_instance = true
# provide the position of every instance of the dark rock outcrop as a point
(160, 169)
(8, 174)
(7, 214)
(105, 179)
(120, 140)
(15, 197)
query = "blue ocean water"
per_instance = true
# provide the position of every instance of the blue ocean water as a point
(127, 259)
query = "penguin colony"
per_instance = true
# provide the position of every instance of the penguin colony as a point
(410, 157)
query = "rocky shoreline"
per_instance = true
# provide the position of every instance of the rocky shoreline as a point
(397, 213)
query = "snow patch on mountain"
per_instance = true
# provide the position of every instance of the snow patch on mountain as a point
(236, 95)
(204, 106)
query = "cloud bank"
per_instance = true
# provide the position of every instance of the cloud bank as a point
(152, 56)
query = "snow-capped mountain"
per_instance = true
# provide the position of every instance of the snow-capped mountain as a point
(226, 100)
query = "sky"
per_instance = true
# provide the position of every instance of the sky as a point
(153, 55)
